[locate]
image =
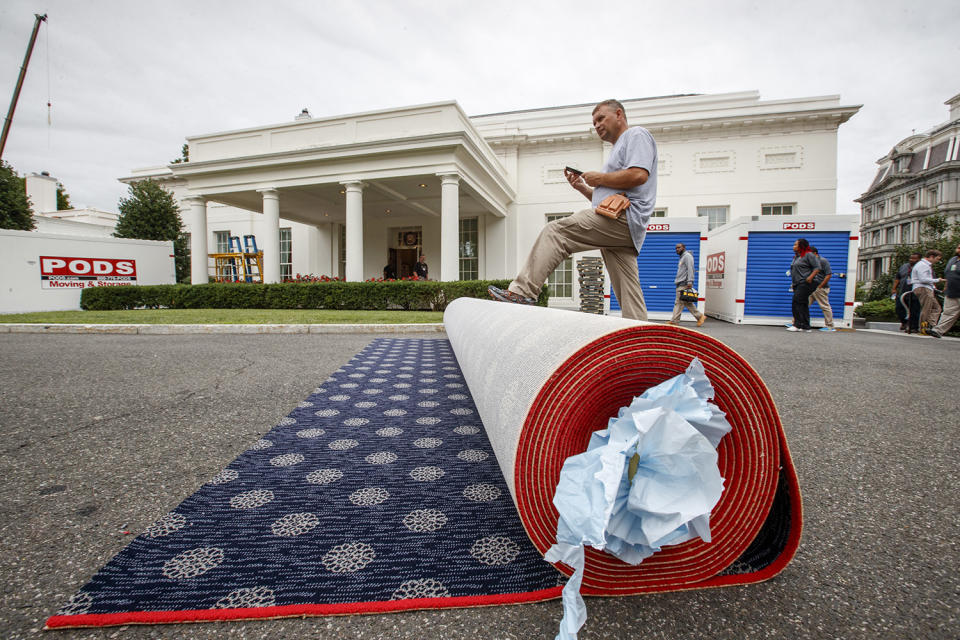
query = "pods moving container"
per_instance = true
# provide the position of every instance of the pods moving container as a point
(747, 264)
(657, 264)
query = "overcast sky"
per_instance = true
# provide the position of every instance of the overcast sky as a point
(128, 81)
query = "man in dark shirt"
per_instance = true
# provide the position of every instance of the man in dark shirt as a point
(951, 296)
(803, 270)
(421, 267)
(909, 317)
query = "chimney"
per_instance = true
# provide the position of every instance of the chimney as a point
(954, 104)
(42, 191)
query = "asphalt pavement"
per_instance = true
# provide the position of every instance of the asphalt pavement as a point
(104, 434)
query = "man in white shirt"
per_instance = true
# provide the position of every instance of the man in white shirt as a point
(923, 284)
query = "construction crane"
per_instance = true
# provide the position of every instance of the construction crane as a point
(23, 73)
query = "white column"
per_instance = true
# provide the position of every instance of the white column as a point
(354, 267)
(270, 244)
(449, 227)
(321, 260)
(199, 272)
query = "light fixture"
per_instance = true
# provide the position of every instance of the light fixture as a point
(387, 211)
(423, 186)
(342, 191)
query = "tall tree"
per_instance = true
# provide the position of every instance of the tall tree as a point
(15, 210)
(63, 198)
(150, 212)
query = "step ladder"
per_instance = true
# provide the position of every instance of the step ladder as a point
(252, 259)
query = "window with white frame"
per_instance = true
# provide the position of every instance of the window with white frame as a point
(469, 260)
(875, 238)
(777, 209)
(891, 235)
(905, 236)
(659, 213)
(716, 216)
(560, 282)
(222, 241)
(911, 201)
(933, 196)
(286, 253)
(879, 211)
(895, 206)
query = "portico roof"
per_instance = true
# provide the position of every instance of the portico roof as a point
(398, 154)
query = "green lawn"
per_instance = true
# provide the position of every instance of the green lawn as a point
(225, 316)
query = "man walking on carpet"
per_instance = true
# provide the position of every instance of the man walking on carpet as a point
(684, 280)
(631, 169)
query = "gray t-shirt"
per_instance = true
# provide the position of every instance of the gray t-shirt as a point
(952, 274)
(803, 266)
(903, 275)
(634, 148)
(824, 272)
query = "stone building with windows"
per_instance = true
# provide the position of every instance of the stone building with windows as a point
(347, 195)
(920, 176)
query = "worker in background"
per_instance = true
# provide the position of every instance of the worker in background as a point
(951, 296)
(909, 316)
(821, 294)
(421, 269)
(923, 287)
(803, 270)
(684, 280)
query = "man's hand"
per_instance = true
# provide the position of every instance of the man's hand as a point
(577, 182)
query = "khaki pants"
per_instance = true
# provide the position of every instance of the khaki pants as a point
(951, 311)
(929, 307)
(678, 306)
(583, 231)
(822, 297)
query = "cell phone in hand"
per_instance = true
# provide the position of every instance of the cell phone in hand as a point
(575, 172)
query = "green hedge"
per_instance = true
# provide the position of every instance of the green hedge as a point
(405, 295)
(878, 311)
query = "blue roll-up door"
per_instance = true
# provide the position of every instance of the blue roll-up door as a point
(657, 267)
(769, 254)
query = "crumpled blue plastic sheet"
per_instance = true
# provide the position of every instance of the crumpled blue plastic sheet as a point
(648, 480)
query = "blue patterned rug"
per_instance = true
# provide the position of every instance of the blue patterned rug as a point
(379, 492)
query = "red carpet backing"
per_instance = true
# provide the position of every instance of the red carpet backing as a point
(544, 380)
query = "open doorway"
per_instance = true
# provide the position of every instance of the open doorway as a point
(405, 252)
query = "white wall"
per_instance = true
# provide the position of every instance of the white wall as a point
(22, 289)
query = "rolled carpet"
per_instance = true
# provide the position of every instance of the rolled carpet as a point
(543, 380)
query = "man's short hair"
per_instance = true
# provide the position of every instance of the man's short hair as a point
(803, 243)
(916, 253)
(814, 250)
(610, 104)
(933, 253)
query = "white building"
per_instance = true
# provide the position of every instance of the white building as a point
(920, 176)
(345, 195)
(41, 189)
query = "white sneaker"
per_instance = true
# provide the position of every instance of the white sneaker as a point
(793, 328)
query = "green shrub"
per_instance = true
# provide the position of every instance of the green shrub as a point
(877, 311)
(398, 294)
